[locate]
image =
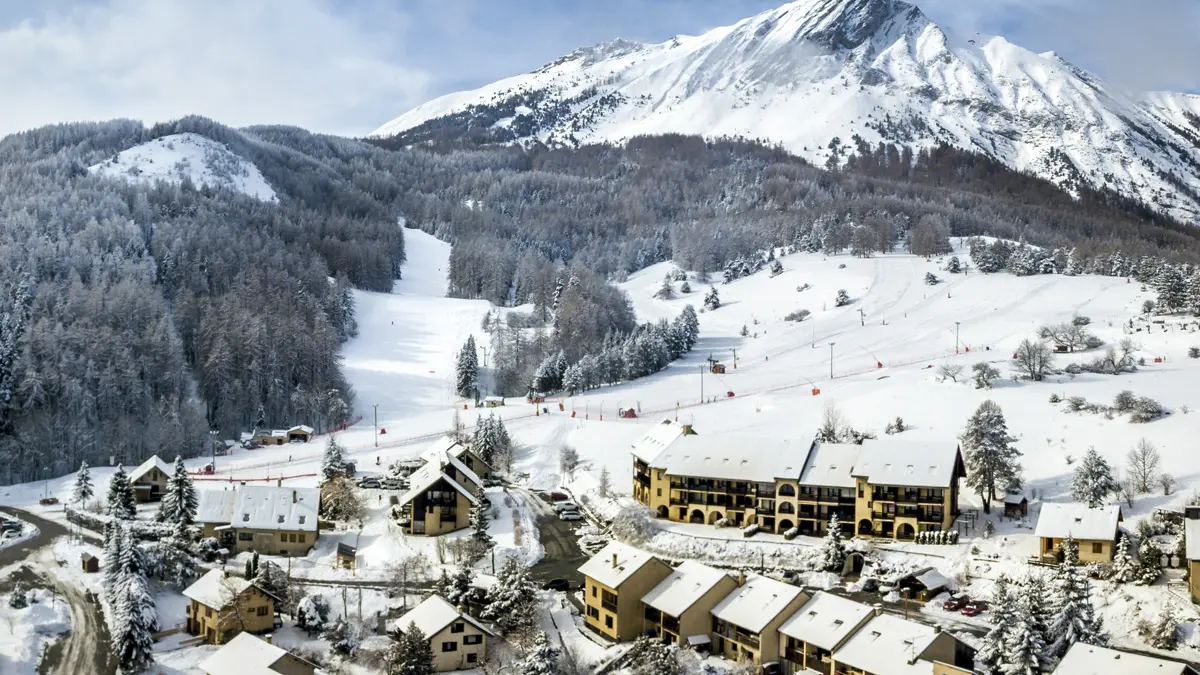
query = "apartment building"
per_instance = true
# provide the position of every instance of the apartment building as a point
(745, 625)
(1094, 530)
(882, 488)
(615, 581)
(270, 519)
(809, 638)
(678, 609)
(891, 645)
(439, 497)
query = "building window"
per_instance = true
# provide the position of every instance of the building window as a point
(449, 646)
(593, 612)
(262, 611)
(1097, 548)
(208, 611)
(245, 536)
(594, 591)
(786, 490)
(659, 491)
(660, 475)
(458, 627)
(472, 657)
(608, 622)
(302, 536)
(472, 639)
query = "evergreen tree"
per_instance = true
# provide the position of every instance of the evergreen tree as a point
(273, 580)
(410, 654)
(843, 298)
(1163, 632)
(460, 592)
(1124, 570)
(179, 502)
(260, 418)
(1026, 640)
(1075, 619)
(777, 268)
(121, 504)
(134, 615)
(312, 613)
(467, 369)
(992, 467)
(542, 659)
(712, 300)
(479, 526)
(1149, 567)
(512, 600)
(994, 646)
(954, 266)
(83, 485)
(832, 554)
(113, 545)
(1093, 481)
(179, 564)
(333, 463)
(573, 381)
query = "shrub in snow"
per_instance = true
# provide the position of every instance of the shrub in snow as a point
(989, 528)
(724, 522)
(312, 613)
(343, 637)
(1055, 398)
(751, 530)
(843, 298)
(802, 287)
(1146, 410)
(1080, 320)
(798, 315)
(954, 265)
(543, 658)
(633, 524)
(1076, 403)
(1124, 401)
(685, 287)
(1162, 632)
(895, 427)
(19, 598)
(1092, 342)
(791, 534)
(984, 374)
(776, 268)
(931, 279)
(1194, 352)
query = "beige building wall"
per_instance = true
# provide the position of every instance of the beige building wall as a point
(697, 619)
(1090, 550)
(768, 641)
(624, 624)
(451, 651)
(154, 478)
(267, 542)
(1193, 568)
(254, 611)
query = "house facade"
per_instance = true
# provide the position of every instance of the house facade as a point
(809, 637)
(745, 624)
(222, 606)
(891, 645)
(458, 641)
(882, 488)
(149, 480)
(678, 609)
(1094, 531)
(440, 496)
(246, 654)
(272, 520)
(615, 581)
(1191, 535)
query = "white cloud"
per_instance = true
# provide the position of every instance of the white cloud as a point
(301, 62)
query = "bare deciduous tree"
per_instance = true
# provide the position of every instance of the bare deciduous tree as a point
(1144, 461)
(949, 371)
(1034, 360)
(407, 569)
(1167, 482)
(568, 461)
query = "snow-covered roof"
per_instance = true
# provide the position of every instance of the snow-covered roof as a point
(455, 450)
(756, 603)
(830, 465)
(932, 579)
(433, 616)
(432, 471)
(216, 589)
(245, 654)
(144, 468)
(302, 427)
(908, 463)
(657, 439)
(1085, 659)
(1056, 521)
(1191, 538)
(493, 398)
(683, 587)
(615, 563)
(734, 456)
(888, 645)
(1015, 497)
(826, 620)
(216, 506)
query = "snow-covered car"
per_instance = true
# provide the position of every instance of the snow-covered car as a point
(570, 515)
(369, 483)
(956, 603)
(974, 608)
(566, 506)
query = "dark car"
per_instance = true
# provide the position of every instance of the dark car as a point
(870, 585)
(974, 608)
(955, 603)
(557, 585)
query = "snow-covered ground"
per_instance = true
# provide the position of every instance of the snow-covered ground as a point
(201, 160)
(25, 633)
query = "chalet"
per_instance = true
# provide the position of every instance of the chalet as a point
(459, 642)
(463, 453)
(891, 645)
(269, 519)
(1094, 530)
(1085, 659)
(922, 585)
(149, 480)
(493, 401)
(249, 655)
(1016, 504)
(678, 609)
(615, 581)
(439, 497)
(221, 606)
(1191, 534)
(809, 638)
(745, 625)
(269, 436)
(300, 434)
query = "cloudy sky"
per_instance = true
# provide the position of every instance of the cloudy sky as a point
(347, 66)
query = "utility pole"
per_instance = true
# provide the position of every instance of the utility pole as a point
(376, 407)
(831, 360)
(956, 336)
(735, 359)
(702, 383)
(862, 317)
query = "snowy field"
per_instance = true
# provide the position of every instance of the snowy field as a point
(27, 631)
(201, 160)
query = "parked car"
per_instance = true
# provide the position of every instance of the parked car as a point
(974, 608)
(557, 585)
(566, 506)
(955, 603)
(369, 483)
(393, 484)
(570, 515)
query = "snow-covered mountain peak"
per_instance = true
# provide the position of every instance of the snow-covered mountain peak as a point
(199, 159)
(823, 77)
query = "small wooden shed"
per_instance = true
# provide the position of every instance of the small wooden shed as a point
(1016, 505)
(89, 563)
(346, 556)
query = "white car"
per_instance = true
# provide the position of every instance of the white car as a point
(570, 515)
(566, 506)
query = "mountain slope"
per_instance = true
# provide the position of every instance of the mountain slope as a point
(201, 160)
(814, 74)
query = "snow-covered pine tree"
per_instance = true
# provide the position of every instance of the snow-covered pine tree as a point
(83, 485)
(992, 466)
(994, 645)
(954, 266)
(121, 504)
(832, 554)
(260, 418)
(843, 298)
(573, 379)
(1163, 631)
(1093, 481)
(1026, 640)
(1124, 569)
(1075, 619)
(459, 591)
(1148, 566)
(410, 654)
(712, 300)
(541, 659)
(273, 580)
(312, 613)
(113, 544)
(467, 369)
(179, 565)
(333, 463)
(479, 527)
(776, 268)
(691, 323)
(179, 501)
(512, 600)
(604, 488)
(135, 617)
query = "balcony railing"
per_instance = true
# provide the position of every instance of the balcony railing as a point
(610, 606)
(670, 623)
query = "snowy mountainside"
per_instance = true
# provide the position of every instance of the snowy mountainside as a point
(815, 74)
(203, 161)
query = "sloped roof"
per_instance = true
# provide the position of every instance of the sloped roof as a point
(908, 463)
(656, 440)
(830, 465)
(1056, 521)
(683, 587)
(1191, 537)
(888, 645)
(433, 616)
(1085, 659)
(151, 463)
(215, 589)
(432, 471)
(216, 506)
(245, 654)
(734, 456)
(302, 427)
(601, 566)
(756, 603)
(266, 507)
(826, 620)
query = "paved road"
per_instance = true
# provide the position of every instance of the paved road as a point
(85, 648)
(562, 554)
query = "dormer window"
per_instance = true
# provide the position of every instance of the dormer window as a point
(245, 517)
(302, 519)
(280, 519)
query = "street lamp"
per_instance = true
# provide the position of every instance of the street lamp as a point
(376, 407)
(956, 336)
(831, 359)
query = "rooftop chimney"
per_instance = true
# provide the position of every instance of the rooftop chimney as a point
(279, 482)
(293, 496)
(267, 638)
(741, 577)
(614, 561)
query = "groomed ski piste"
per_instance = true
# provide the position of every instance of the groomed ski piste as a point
(884, 349)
